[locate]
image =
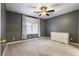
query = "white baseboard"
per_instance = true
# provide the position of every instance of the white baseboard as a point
(19, 41)
(74, 44)
(4, 50)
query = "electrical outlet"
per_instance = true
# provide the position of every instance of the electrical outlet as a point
(71, 38)
(13, 38)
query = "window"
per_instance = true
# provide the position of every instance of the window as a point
(34, 28)
(28, 27)
(31, 28)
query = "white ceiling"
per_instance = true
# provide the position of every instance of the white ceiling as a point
(29, 8)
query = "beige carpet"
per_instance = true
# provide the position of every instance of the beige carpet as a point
(41, 47)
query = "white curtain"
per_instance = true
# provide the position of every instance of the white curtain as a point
(30, 26)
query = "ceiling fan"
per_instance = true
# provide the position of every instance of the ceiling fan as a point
(44, 11)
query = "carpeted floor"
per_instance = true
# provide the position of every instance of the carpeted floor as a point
(40, 47)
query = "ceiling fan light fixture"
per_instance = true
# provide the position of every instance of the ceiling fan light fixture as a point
(43, 13)
(43, 10)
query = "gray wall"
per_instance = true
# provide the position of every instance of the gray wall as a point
(0, 28)
(64, 23)
(0, 20)
(42, 27)
(78, 26)
(14, 26)
(3, 26)
(3, 21)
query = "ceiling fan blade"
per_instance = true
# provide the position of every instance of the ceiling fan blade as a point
(51, 11)
(47, 14)
(39, 14)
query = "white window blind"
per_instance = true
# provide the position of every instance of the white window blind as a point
(30, 26)
(35, 29)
